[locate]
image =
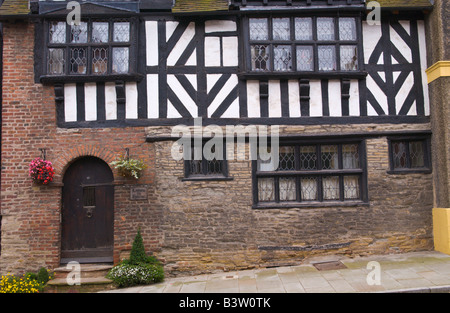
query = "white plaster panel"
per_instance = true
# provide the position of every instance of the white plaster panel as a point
(70, 102)
(315, 102)
(294, 98)
(90, 101)
(212, 51)
(253, 100)
(274, 98)
(110, 101)
(220, 26)
(230, 51)
(151, 31)
(334, 97)
(152, 96)
(131, 104)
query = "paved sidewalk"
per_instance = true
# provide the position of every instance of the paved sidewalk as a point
(410, 272)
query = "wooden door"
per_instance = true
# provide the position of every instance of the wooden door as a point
(87, 212)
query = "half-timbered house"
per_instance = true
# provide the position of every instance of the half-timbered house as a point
(343, 84)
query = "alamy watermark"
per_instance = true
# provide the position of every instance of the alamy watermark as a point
(192, 145)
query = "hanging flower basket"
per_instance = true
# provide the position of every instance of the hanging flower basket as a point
(41, 171)
(129, 167)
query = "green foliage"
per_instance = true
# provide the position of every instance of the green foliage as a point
(129, 167)
(127, 275)
(28, 283)
(139, 269)
(43, 276)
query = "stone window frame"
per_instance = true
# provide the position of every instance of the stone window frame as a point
(249, 72)
(425, 140)
(319, 173)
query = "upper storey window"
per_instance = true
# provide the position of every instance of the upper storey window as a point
(92, 48)
(303, 44)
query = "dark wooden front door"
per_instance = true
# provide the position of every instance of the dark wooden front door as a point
(87, 212)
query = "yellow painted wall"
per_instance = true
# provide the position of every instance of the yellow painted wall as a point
(441, 229)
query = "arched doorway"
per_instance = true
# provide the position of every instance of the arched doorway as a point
(87, 212)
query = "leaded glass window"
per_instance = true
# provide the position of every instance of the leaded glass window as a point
(303, 44)
(308, 173)
(198, 166)
(409, 154)
(94, 47)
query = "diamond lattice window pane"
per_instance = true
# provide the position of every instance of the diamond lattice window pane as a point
(399, 154)
(416, 154)
(330, 159)
(325, 28)
(286, 160)
(327, 58)
(308, 158)
(120, 60)
(99, 61)
(330, 188)
(78, 61)
(100, 32)
(288, 189)
(260, 58)
(195, 167)
(351, 187)
(121, 32)
(56, 61)
(281, 29)
(303, 28)
(259, 29)
(305, 58)
(309, 188)
(350, 156)
(79, 33)
(347, 28)
(214, 167)
(349, 59)
(57, 32)
(266, 189)
(282, 58)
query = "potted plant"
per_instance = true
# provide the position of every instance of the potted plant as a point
(41, 171)
(129, 167)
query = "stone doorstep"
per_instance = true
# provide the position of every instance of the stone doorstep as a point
(93, 278)
(87, 271)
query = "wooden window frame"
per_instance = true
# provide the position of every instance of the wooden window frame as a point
(361, 171)
(132, 45)
(204, 164)
(248, 72)
(426, 142)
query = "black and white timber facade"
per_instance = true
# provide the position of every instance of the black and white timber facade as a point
(261, 62)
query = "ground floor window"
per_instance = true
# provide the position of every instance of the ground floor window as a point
(311, 173)
(409, 154)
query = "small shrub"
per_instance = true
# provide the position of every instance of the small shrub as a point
(139, 269)
(127, 275)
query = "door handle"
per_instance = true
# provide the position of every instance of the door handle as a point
(89, 212)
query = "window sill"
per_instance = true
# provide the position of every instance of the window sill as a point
(298, 75)
(90, 78)
(207, 178)
(410, 171)
(312, 204)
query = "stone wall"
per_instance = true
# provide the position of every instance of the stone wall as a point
(211, 225)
